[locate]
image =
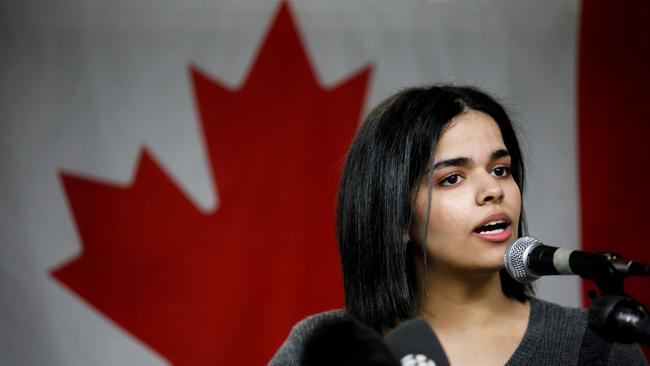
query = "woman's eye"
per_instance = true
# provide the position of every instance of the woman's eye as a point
(501, 171)
(451, 180)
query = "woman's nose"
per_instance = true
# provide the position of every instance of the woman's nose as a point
(490, 191)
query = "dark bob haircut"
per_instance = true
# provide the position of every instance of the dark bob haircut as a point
(386, 160)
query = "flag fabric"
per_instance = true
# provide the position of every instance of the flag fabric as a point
(169, 170)
(613, 75)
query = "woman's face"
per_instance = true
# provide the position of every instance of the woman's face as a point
(475, 202)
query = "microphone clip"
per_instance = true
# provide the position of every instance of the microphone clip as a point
(613, 315)
(619, 318)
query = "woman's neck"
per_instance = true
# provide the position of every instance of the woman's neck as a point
(473, 319)
(454, 299)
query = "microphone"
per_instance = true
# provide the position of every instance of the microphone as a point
(343, 341)
(415, 344)
(527, 259)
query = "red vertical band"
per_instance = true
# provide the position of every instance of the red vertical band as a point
(614, 132)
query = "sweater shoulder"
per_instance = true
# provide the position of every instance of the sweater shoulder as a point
(557, 334)
(557, 315)
(553, 335)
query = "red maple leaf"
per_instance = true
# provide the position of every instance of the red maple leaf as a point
(225, 287)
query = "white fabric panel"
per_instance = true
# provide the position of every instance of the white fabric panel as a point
(86, 83)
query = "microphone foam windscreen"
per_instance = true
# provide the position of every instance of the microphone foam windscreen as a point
(345, 341)
(414, 343)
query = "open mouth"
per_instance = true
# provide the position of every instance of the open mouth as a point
(493, 227)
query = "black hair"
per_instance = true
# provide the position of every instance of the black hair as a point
(386, 160)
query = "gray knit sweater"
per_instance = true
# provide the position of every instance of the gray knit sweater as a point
(553, 337)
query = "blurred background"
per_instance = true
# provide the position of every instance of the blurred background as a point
(168, 169)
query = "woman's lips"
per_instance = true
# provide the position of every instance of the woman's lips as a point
(495, 236)
(494, 228)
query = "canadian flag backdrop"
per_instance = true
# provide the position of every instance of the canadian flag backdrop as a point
(169, 169)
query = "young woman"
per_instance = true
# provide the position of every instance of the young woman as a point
(429, 200)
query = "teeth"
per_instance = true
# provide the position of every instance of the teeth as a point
(497, 231)
(495, 222)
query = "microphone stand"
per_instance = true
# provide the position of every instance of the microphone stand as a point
(613, 316)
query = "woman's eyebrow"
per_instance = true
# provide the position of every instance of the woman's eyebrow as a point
(452, 162)
(501, 153)
(463, 161)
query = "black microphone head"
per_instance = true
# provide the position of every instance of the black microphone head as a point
(415, 344)
(344, 341)
(515, 259)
